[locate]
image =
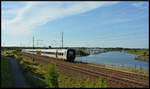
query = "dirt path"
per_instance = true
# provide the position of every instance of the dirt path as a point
(19, 80)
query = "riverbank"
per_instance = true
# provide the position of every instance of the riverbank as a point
(141, 54)
(134, 70)
(120, 68)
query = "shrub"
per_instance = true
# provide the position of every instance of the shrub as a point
(88, 84)
(100, 83)
(14, 52)
(52, 76)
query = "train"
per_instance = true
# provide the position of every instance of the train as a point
(64, 54)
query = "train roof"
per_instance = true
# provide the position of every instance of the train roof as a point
(48, 50)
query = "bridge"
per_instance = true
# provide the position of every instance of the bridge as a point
(94, 51)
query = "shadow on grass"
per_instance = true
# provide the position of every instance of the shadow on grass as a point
(34, 80)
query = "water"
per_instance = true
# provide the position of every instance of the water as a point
(115, 58)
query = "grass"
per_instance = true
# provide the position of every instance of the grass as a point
(67, 82)
(9, 51)
(6, 73)
(141, 54)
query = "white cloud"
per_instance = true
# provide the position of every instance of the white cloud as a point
(35, 14)
(141, 5)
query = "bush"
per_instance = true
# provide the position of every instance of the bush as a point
(100, 83)
(14, 52)
(52, 76)
(87, 84)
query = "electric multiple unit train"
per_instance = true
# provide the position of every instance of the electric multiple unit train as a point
(65, 54)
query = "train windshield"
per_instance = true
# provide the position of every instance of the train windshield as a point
(70, 53)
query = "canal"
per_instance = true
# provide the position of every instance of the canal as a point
(115, 58)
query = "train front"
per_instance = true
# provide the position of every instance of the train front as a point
(71, 55)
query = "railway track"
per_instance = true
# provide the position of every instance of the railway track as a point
(112, 77)
(105, 75)
(128, 75)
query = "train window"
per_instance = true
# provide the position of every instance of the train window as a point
(49, 52)
(60, 54)
(32, 51)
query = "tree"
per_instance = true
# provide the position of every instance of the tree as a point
(52, 76)
(49, 47)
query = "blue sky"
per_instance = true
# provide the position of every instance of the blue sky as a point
(85, 24)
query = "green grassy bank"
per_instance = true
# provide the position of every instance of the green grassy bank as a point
(141, 54)
(6, 73)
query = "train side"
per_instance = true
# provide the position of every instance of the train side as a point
(65, 54)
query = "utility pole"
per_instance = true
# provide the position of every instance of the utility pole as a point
(38, 41)
(20, 44)
(33, 42)
(33, 48)
(62, 39)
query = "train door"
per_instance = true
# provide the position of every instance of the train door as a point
(37, 53)
(40, 52)
(56, 53)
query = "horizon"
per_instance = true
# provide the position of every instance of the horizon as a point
(71, 47)
(101, 24)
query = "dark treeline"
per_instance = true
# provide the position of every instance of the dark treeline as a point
(19, 48)
(109, 49)
(120, 49)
